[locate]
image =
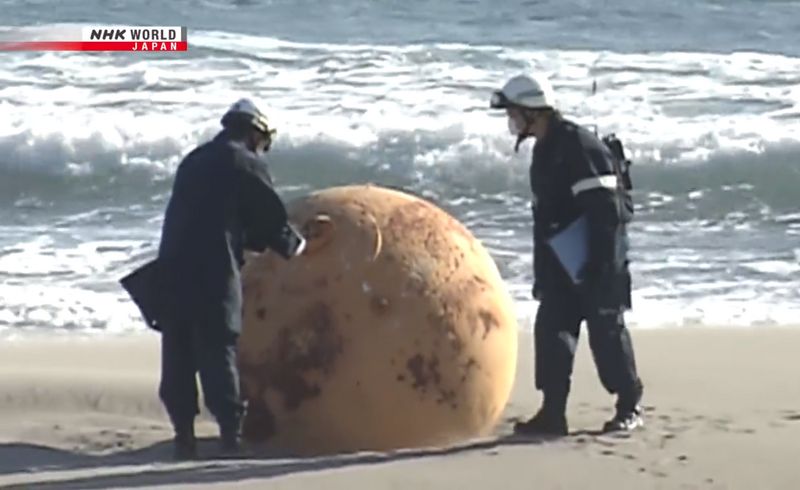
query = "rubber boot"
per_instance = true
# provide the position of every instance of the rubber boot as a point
(185, 444)
(628, 415)
(231, 440)
(550, 420)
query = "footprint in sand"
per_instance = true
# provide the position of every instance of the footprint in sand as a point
(720, 424)
(792, 416)
(665, 439)
(604, 441)
(777, 425)
(582, 439)
(676, 423)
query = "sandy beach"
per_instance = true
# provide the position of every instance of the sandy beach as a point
(722, 412)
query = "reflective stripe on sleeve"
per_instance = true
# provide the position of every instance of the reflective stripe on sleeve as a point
(605, 181)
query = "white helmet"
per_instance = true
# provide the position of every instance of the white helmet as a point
(244, 110)
(524, 91)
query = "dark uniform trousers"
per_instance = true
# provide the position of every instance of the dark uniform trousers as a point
(222, 203)
(556, 333)
(573, 174)
(191, 348)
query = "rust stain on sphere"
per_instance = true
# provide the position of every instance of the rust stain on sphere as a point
(395, 330)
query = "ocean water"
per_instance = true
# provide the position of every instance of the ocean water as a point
(706, 96)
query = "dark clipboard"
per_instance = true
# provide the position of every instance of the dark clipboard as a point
(571, 245)
(144, 287)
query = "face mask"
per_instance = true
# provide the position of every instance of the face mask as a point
(512, 127)
(261, 145)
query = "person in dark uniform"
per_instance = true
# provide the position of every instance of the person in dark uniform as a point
(222, 203)
(573, 176)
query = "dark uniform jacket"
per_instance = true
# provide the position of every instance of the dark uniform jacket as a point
(222, 202)
(573, 174)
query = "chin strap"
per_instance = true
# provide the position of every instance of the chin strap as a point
(520, 139)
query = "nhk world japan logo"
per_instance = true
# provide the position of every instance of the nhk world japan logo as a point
(95, 38)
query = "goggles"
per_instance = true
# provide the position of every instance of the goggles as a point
(498, 100)
(260, 123)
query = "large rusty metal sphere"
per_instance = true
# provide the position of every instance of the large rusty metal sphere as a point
(394, 330)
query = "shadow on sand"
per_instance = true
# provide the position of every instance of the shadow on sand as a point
(152, 465)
